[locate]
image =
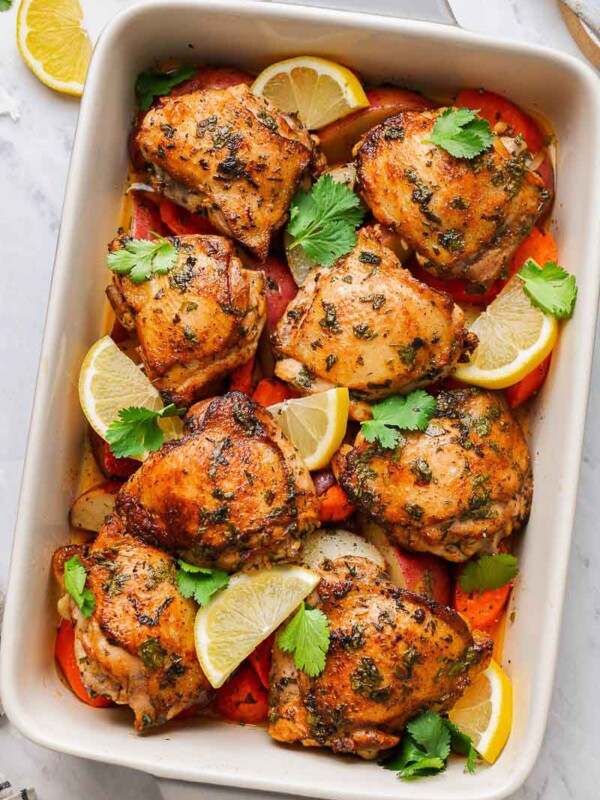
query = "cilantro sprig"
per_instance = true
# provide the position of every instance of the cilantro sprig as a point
(323, 221)
(307, 636)
(5, 5)
(461, 132)
(143, 258)
(550, 288)
(488, 572)
(426, 745)
(409, 412)
(153, 84)
(136, 430)
(75, 576)
(199, 582)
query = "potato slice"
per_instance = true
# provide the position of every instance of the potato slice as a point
(331, 544)
(91, 508)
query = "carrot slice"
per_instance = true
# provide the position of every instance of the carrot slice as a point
(64, 652)
(538, 245)
(481, 609)
(241, 378)
(243, 698)
(270, 391)
(519, 392)
(260, 659)
(334, 505)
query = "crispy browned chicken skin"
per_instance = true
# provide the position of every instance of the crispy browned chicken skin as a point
(230, 153)
(367, 324)
(464, 217)
(233, 491)
(137, 648)
(198, 322)
(392, 655)
(455, 490)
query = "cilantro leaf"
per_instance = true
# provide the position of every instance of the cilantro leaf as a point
(307, 636)
(136, 430)
(488, 572)
(461, 132)
(462, 744)
(409, 412)
(5, 5)
(75, 576)
(550, 288)
(142, 258)
(323, 221)
(199, 582)
(153, 84)
(429, 731)
(426, 745)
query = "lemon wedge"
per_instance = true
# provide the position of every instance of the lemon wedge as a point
(110, 381)
(484, 712)
(54, 44)
(514, 337)
(316, 425)
(241, 616)
(317, 90)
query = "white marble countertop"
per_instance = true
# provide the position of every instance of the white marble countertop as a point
(34, 157)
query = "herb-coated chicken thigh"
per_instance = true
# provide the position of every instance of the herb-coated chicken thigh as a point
(367, 324)
(231, 153)
(233, 491)
(392, 655)
(137, 647)
(464, 217)
(196, 323)
(455, 489)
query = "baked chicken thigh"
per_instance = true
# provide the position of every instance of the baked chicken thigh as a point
(232, 492)
(464, 217)
(230, 153)
(454, 490)
(137, 647)
(367, 324)
(196, 323)
(392, 655)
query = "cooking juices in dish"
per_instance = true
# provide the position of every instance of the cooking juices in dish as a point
(328, 301)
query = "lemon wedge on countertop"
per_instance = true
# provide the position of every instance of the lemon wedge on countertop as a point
(54, 44)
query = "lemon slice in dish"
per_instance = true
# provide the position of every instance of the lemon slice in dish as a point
(241, 616)
(110, 381)
(316, 425)
(317, 90)
(54, 44)
(484, 712)
(514, 337)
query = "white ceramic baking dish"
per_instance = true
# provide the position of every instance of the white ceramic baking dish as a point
(252, 35)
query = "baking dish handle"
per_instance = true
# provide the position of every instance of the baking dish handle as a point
(424, 10)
